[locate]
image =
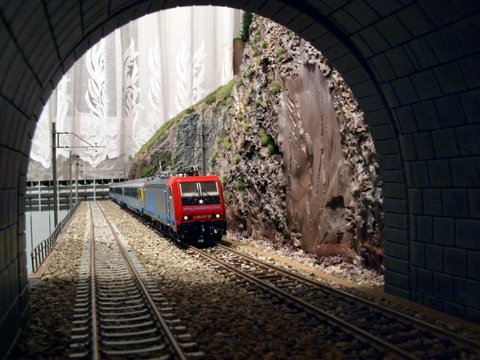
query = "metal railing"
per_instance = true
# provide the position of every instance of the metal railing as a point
(42, 250)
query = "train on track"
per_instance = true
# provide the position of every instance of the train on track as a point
(187, 206)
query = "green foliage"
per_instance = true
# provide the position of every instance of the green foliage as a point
(214, 158)
(147, 170)
(228, 102)
(210, 99)
(236, 159)
(280, 53)
(248, 72)
(224, 92)
(240, 185)
(255, 37)
(247, 18)
(238, 81)
(264, 44)
(264, 137)
(276, 87)
(190, 110)
(224, 180)
(242, 117)
(227, 144)
(271, 149)
(249, 93)
(221, 94)
(267, 140)
(166, 160)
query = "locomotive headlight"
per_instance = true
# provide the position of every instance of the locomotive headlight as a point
(200, 201)
(185, 217)
(217, 216)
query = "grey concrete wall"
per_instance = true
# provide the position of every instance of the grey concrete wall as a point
(413, 66)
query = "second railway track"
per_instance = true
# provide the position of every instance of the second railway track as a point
(119, 311)
(389, 331)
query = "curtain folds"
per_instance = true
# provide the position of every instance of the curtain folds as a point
(130, 83)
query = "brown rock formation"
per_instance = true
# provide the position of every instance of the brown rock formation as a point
(318, 177)
(318, 189)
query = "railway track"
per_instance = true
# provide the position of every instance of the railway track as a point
(119, 311)
(389, 332)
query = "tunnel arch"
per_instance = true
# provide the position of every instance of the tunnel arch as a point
(413, 66)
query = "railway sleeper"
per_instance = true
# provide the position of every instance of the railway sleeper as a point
(113, 284)
(119, 300)
(79, 355)
(126, 313)
(117, 289)
(126, 319)
(82, 292)
(81, 337)
(178, 328)
(120, 295)
(188, 345)
(129, 326)
(83, 320)
(196, 354)
(151, 349)
(80, 329)
(80, 314)
(117, 279)
(80, 346)
(141, 341)
(184, 337)
(131, 333)
(160, 301)
(168, 316)
(117, 308)
(84, 304)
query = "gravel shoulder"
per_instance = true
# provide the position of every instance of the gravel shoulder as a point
(52, 296)
(226, 320)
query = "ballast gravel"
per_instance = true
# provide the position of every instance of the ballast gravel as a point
(225, 319)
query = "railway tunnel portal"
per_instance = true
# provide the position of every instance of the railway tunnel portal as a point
(413, 66)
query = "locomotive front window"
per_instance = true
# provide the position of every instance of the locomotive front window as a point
(199, 193)
(209, 188)
(189, 189)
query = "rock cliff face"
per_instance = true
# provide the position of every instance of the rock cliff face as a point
(178, 143)
(292, 149)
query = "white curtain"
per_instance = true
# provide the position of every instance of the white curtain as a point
(130, 83)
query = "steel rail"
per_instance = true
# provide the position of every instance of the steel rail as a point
(93, 302)
(171, 338)
(407, 319)
(379, 343)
